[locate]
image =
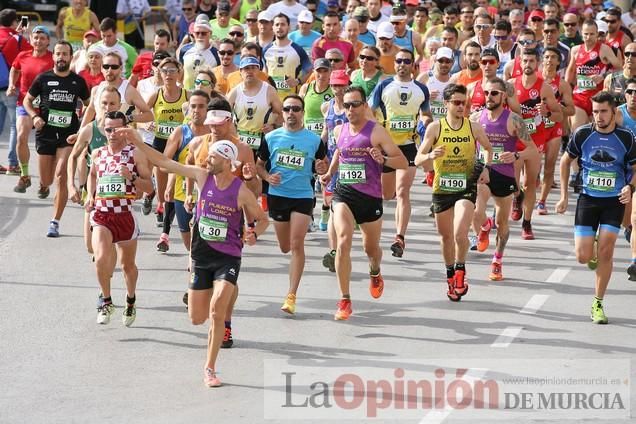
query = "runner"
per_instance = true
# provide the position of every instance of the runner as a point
(59, 91)
(368, 76)
(117, 171)
(402, 103)
(503, 128)
(606, 153)
(292, 151)
(615, 82)
(363, 147)
(316, 94)
(457, 174)
(437, 80)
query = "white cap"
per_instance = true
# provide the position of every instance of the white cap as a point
(306, 16)
(602, 26)
(444, 52)
(385, 30)
(265, 16)
(202, 23)
(225, 148)
(601, 15)
(94, 48)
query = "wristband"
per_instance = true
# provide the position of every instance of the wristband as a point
(129, 117)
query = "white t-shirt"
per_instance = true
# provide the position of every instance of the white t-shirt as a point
(147, 88)
(291, 11)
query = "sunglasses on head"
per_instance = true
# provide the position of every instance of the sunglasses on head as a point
(236, 34)
(292, 109)
(354, 104)
(403, 61)
(456, 102)
(492, 93)
(226, 52)
(108, 66)
(369, 58)
(204, 83)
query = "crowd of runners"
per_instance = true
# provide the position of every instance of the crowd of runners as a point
(309, 117)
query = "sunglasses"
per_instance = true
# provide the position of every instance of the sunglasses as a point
(549, 31)
(296, 109)
(445, 61)
(156, 63)
(226, 52)
(482, 27)
(204, 83)
(369, 58)
(335, 60)
(403, 61)
(488, 62)
(501, 37)
(187, 9)
(354, 104)
(492, 93)
(526, 42)
(113, 67)
(537, 19)
(569, 24)
(629, 54)
(235, 34)
(169, 71)
(457, 102)
(250, 21)
(630, 91)
(110, 130)
(201, 33)
(610, 21)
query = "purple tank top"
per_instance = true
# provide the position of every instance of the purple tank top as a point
(219, 219)
(357, 169)
(501, 141)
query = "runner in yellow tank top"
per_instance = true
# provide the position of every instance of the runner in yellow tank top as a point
(449, 147)
(74, 21)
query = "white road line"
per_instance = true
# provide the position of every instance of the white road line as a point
(558, 275)
(534, 304)
(507, 336)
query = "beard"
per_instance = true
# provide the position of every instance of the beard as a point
(61, 66)
(492, 105)
(473, 66)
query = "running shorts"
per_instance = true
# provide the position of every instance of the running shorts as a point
(592, 212)
(281, 208)
(363, 207)
(123, 226)
(409, 151)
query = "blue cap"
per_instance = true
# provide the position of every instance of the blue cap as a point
(608, 5)
(41, 28)
(249, 61)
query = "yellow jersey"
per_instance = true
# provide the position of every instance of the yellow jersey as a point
(453, 170)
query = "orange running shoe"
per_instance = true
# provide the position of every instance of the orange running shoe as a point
(452, 296)
(344, 310)
(495, 272)
(483, 239)
(376, 286)
(461, 285)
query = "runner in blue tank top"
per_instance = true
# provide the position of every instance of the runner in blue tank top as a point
(358, 161)
(626, 117)
(605, 153)
(217, 239)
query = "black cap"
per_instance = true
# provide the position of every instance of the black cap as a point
(224, 7)
(160, 55)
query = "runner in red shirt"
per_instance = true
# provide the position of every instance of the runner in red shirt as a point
(142, 68)
(489, 63)
(526, 40)
(92, 74)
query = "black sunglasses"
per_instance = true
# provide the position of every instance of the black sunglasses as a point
(492, 93)
(235, 34)
(292, 109)
(107, 66)
(403, 61)
(630, 91)
(226, 52)
(369, 58)
(629, 54)
(250, 21)
(354, 104)
(569, 24)
(335, 60)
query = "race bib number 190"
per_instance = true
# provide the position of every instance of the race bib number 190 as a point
(452, 183)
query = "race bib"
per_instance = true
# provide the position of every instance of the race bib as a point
(252, 139)
(352, 173)
(166, 128)
(438, 110)
(496, 154)
(60, 118)
(281, 83)
(212, 230)
(584, 83)
(548, 123)
(402, 124)
(315, 125)
(601, 181)
(531, 125)
(111, 187)
(452, 182)
(290, 159)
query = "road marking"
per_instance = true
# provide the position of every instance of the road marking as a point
(534, 304)
(507, 336)
(558, 275)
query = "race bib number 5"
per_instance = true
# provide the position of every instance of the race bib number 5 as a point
(60, 118)
(496, 154)
(290, 159)
(212, 230)
(452, 183)
(111, 187)
(601, 181)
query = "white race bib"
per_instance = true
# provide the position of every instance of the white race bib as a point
(60, 118)
(111, 187)
(352, 173)
(212, 230)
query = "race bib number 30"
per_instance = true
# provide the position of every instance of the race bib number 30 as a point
(212, 230)
(290, 159)
(531, 125)
(111, 187)
(601, 181)
(452, 183)
(60, 118)
(352, 173)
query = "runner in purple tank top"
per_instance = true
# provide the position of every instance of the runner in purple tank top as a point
(217, 236)
(503, 129)
(358, 161)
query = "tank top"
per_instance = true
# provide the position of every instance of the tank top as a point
(114, 193)
(478, 99)
(332, 120)
(438, 110)
(501, 141)
(122, 93)
(529, 98)
(356, 168)
(554, 85)
(168, 115)
(405, 42)
(314, 121)
(615, 43)
(464, 79)
(367, 85)
(387, 63)
(219, 221)
(246, 7)
(617, 86)
(628, 121)
(588, 64)
(76, 26)
(453, 170)
(516, 68)
(180, 156)
(97, 140)
(251, 113)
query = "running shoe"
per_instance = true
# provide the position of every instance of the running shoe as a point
(228, 342)
(517, 207)
(452, 296)
(329, 261)
(13, 170)
(541, 209)
(526, 232)
(472, 241)
(3, 170)
(593, 263)
(184, 299)
(397, 248)
(104, 313)
(289, 305)
(129, 315)
(159, 217)
(598, 315)
(312, 228)
(54, 229)
(164, 243)
(628, 233)
(324, 220)
(483, 239)
(23, 184)
(210, 379)
(344, 310)
(495, 272)
(376, 286)
(146, 206)
(43, 192)
(461, 285)
(631, 271)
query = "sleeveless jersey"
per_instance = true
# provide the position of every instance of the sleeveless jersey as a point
(168, 115)
(192, 59)
(219, 221)
(357, 168)
(405, 42)
(478, 99)
(453, 170)
(438, 110)
(554, 86)
(76, 26)
(589, 64)
(285, 62)
(387, 63)
(628, 121)
(97, 140)
(314, 121)
(114, 193)
(251, 113)
(529, 98)
(367, 85)
(617, 85)
(516, 68)
(501, 140)
(332, 120)
(180, 156)
(98, 94)
(464, 79)
(615, 43)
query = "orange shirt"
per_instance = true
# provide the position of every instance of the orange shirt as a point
(235, 79)
(464, 79)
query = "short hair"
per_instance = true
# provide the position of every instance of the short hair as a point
(170, 60)
(112, 90)
(530, 52)
(356, 89)
(217, 103)
(452, 30)
(422, 9)
(614, 11)
(281, 15)
(555, 51)
(632, 80)
(331, 14)
(472, 44)
(551, 22)
(409, 52)
(117, 114)
(250, 45)
(485, 16)
(202, 94)
(528, 31)
(108, 24)
(162, 33)
(605, 97)
(516, 12)
(591, 22)
(504, 26)
(207, 71)
(501, 83)
(227, 41)
(490, 52)
(451, 10)
(64, 43)
(454, 89)
(114, 54)
(374, 49)
(335, 51)
(297, 97)
(8, 17)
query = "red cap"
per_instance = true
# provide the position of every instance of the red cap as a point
(191, 28)
(93, 33)
(339, 77)
(536, 14)
(412, 2)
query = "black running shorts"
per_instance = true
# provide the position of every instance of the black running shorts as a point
(363, 207)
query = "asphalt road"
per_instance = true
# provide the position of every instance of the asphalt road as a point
(58, 365)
